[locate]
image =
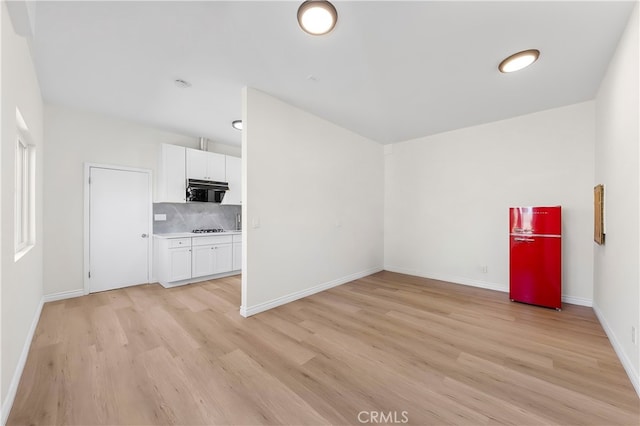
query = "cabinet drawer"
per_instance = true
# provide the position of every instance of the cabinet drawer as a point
(179, 242)
(206, 241)
(237, 238)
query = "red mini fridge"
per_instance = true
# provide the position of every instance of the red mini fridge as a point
(535, 255)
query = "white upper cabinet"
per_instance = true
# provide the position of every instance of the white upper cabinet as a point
(177, 164)
(205, 165)
(234, 178)
(171, 184)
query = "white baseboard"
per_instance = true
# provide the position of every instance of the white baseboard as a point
(405, 271)
(617, 347)
(264, 306)
(63, 295)
(171, 284)
(450, 278)
(581, 301)
(17, 374)
(477, 283)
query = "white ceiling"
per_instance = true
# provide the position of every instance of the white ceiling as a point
(390, 71)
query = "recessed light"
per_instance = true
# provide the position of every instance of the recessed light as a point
(519, 60)
(317, 17)
(183, 84)
(237, 124)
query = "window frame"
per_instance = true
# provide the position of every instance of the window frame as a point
(24, 202)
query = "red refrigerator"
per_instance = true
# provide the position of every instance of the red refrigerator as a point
(535, 267)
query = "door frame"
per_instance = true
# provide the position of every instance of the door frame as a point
(86, 236)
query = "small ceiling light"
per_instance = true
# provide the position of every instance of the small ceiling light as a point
(182, 83)
(317, 17)
(237, 124)
(519, 60)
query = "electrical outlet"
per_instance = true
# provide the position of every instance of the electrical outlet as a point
(634, 335)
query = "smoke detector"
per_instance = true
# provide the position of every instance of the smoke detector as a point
(183, 84)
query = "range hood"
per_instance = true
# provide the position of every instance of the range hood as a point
(207, 184)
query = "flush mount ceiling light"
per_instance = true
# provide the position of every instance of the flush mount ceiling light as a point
(237, 124)
(317, 17)
(519, 60)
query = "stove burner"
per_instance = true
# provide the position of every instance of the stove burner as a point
(207, 231)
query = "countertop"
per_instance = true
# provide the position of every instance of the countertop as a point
(195, 235)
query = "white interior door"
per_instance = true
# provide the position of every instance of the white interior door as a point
(119, 228)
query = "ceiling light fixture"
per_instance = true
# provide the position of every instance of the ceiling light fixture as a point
(237, 124)
(317, 17)
(519, 60)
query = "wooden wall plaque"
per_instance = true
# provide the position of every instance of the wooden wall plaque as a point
(598, 216)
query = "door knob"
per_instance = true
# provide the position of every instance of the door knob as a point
(144, 235)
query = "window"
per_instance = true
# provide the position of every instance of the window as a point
(24, 191)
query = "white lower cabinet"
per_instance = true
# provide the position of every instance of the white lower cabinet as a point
(179, 264)
(173, 259)
(237, 252)
(202, 261)
(184, 260)
(223, 258)
(212, 255)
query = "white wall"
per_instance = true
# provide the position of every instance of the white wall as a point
(316, 190)
(21, 290)
(74, 137)
(616, 275)
(447, 197)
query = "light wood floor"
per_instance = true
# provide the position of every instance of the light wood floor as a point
(432, 352)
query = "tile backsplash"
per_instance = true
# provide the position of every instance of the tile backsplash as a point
(185, 217)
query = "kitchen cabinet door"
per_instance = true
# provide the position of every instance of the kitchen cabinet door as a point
(237, 256)
(179, 264)
(203, 261)
(223, 258)
(216, 167)
(234, 177)
(205, 165)
(171, 184)
(197, 164)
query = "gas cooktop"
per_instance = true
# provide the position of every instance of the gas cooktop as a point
(207, 231)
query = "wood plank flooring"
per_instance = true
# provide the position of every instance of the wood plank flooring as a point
(386, 347)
